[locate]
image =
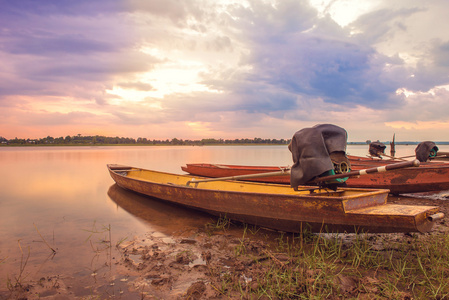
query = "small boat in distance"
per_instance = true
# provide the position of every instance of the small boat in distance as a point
(280, 207)
(425, 178)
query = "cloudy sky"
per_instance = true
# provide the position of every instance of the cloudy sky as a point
(224, 69)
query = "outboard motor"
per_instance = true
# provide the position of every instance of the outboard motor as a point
(425, 151)
(319, 151)
(376, 149)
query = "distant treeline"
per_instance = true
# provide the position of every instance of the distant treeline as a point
(104, 140)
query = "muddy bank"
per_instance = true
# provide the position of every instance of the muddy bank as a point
(222, 260)
(222, 265)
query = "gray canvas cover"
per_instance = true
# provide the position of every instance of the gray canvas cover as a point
(311, 149)
(423, 149)
(376, 148)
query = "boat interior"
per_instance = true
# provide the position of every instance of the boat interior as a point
(236, 186)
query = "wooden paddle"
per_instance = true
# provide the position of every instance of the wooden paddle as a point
(403, 157)
(399, 165)
(405, 164)
(392, 157)
(237, 177)
(440, 156)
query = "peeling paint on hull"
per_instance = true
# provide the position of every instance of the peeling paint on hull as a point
(280, 207)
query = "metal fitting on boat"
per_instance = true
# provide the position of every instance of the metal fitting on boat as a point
(341, 167)
(344, 167)
(435, 217)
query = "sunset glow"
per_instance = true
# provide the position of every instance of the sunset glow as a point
(224, 69)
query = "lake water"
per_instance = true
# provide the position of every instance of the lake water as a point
(63, 198)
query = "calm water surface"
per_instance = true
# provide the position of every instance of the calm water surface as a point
(63, 198)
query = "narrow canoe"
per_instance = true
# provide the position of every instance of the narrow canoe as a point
(429, 176)
(279, 206)
(425, 178)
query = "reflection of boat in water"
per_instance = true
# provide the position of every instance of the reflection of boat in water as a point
(279, 206)
(164, 217)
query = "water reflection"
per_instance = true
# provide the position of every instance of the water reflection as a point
(161, 216)
(65, 191)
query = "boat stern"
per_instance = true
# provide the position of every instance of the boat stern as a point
(403, 218)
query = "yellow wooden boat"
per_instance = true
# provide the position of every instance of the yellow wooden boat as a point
(280, 207)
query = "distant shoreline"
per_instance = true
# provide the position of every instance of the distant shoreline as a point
(138, 145)
(192, 145)
(97, 140)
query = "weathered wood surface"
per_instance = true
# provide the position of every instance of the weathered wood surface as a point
(425, 178)
(279, 206)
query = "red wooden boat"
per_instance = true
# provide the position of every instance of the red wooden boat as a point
(425, 178)
(442, 156)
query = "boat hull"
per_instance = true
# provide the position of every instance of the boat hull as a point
(442, 156)
(425, 178)
(280, 207)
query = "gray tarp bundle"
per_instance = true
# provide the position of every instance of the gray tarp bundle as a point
(311, 151)
(376, 147)
(423, 150)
